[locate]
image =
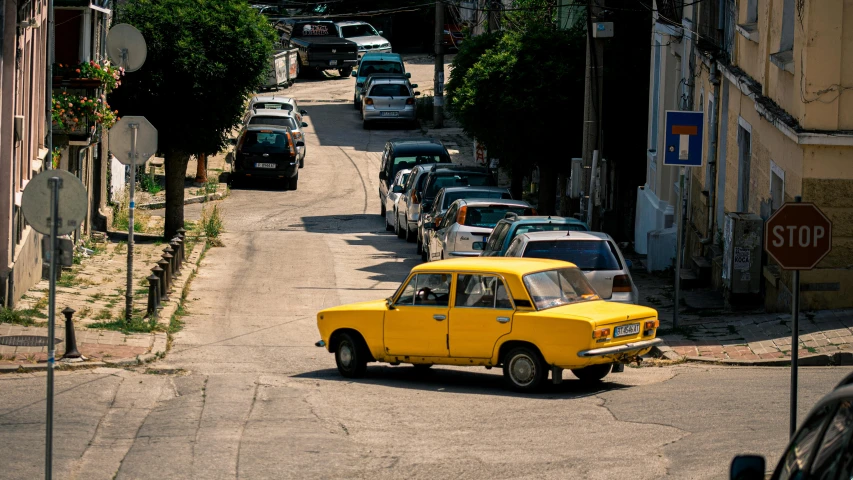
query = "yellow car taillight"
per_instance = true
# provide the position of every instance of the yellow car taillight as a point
(601, 333)
(651, 324)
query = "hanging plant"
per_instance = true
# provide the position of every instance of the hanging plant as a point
(55, 156)
(70, 110)
(106, 74)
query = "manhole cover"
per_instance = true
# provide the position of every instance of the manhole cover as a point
(26, 341)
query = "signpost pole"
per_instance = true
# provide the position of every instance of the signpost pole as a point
(795, 341)
(51, 314)
(679, 240)
(129, 295)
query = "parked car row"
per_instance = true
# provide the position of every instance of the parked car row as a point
(271, 144)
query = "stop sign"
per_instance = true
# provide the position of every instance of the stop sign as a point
(798, 236)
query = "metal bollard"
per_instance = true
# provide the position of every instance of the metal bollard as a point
(177, 249)
(158, 300)
(180, 242)
(168, 270)
(171, 258)
(164, 280)
(182, 232)
(70, 338)
(153, 288)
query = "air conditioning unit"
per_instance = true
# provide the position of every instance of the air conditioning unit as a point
(742, 249)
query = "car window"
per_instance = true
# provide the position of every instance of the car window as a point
(379, 66)
(493, 243)
(403, 162)
(499, 243)
(834, 454)
(549, 227)
(413, 177)
(558, 287)
(793, 464)
(481, 291)
(439, 203)
(458, 180)
(403, 179)
(432, 289)
(363, 30)
(514, 248)
(389, 90)
(588, 255)
(272, 106)
(449, 217)
(314, 30)
(277, 121)
(264, 142)
(408, 295)
(488, 217)
(450, 197)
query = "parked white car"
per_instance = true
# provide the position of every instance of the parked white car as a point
(392, 201)
(595, 253)
(280, 118)
(466, 225)
(364, 35)
(275, 102)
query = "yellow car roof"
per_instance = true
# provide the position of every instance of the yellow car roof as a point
(505, 265)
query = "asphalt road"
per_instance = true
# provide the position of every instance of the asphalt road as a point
(255, 399)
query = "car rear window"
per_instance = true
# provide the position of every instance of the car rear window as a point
(548, 227)
(277, 121)
(488, 217)
(458, 180)
(264, 142)
(401, 163)
(376, 66)
(273, 106)
(450, 197)
(588, 255)
(389, 90)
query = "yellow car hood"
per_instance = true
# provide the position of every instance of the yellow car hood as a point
(371, 305)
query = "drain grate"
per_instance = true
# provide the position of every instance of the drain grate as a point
(26, 341)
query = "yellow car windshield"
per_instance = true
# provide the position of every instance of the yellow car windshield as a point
(554, 288)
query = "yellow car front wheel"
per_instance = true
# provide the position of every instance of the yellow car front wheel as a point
(350, 356)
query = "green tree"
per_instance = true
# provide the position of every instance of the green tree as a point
(205, 57)
(523, 98)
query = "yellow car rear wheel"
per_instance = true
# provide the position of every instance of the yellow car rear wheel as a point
(593, 373)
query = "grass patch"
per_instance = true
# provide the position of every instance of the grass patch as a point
(121, 217)
(137, 324)
(25, 317)
(811, 349)
(148, 182)
(104, 314)
(211, 225)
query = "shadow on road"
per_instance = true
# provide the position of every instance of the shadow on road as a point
(466, 382)
(339, 125)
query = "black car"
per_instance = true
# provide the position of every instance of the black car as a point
(441, 176)
(403, 153)
(319, 46)
(267, 152)
(821, 448)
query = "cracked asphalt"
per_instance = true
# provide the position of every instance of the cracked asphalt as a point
(251, 397)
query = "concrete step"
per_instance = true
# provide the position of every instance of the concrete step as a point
(688, 278)
(701, 267)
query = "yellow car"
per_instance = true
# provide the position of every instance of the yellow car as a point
(525, 314)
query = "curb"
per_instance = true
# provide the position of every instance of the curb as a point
(817, 360)
(187, 201)
(160, 344)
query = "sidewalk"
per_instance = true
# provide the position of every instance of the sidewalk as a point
(708, 333)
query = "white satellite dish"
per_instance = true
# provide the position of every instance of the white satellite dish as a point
(126, 47)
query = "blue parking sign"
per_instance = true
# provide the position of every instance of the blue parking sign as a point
(683, 138)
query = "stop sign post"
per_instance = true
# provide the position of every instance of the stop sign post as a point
(798, 236)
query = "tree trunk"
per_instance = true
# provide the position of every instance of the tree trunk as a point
(201, 168)
(547, 188)
(176, 172)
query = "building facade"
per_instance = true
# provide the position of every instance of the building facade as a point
(23, 151)
(774, 80)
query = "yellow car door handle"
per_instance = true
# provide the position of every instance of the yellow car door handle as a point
(439, 317)
(503, 319)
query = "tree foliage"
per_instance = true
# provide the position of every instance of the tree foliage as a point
(523, 98)
(205, 57)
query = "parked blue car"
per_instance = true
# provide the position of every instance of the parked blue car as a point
(513, 225)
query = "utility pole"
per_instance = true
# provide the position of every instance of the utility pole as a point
(593, 84)
(438, 96)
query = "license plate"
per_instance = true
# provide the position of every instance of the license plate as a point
(333, 62)
(624, 330)
(389, 114)
(264, 165)
(485, 239)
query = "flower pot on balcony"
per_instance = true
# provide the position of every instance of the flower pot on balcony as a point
(87, 83)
